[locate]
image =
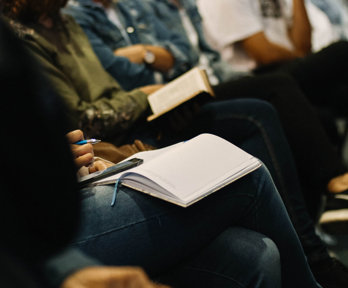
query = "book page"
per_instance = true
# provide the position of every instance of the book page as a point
(146, 156)
(178, 91)
(195, 167)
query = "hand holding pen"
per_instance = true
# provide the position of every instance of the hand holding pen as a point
(83, 152)
(82, 149)
(91, 141)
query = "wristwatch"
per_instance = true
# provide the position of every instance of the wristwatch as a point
(149, 57)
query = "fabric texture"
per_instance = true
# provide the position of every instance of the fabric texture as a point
(162, 237)
(172, 17)
(103, 110)
(244, 18)
(141, 28)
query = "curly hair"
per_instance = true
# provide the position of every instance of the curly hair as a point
(30, 11)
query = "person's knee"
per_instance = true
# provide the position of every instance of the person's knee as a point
(268, 261)
(265, 265)
(256, 255)
(263, 111)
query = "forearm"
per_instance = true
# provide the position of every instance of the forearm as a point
(150, 88)
(265, 52)
(164, 60)
(300, 31)
(108, 117)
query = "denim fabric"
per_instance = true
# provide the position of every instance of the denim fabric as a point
(169, 14)
(257, 129)
(260, 135)
(162, 237)
(254, 126)
(106, 37)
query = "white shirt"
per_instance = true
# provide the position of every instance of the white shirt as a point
(228, 21)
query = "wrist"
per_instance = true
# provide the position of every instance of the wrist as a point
(149, 57)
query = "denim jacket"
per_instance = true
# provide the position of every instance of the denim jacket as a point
(106, 37)
(169, 14)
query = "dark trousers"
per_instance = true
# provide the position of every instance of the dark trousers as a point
(316, 158)
(254, 126)
(322, 76)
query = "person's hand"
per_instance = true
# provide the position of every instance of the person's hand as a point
(134, 53)
(110, 277)
(151, 88)
(99, 165)
(83, 154)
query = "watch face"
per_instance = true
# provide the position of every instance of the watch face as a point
(149, 57)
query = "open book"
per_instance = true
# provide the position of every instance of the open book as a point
(185, 87)
(186, 172)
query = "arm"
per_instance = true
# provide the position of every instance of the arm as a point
(130, 74)
(164, 60)
(107, 114)
(162, 36)
(300, 31)
(265, 52)
(105, 277)
(71, 268)
(150, 88)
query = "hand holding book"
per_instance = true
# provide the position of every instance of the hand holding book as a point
(187, 86)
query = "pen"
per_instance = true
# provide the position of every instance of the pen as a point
(92, 141)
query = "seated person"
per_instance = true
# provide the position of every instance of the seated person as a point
(165, 55)
(102, 108)
(40, 202)
(165, 243)
(279, 90)
(300, 134)
(263, 36)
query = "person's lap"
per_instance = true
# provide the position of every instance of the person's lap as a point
(141, 230)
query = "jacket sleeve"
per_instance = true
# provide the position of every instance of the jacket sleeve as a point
(127, 74)
(178, 45)
(107, 115)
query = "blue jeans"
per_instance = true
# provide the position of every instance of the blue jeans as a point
(199, 246)
(254, 126)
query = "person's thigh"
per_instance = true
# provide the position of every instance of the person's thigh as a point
(142, 230)
(323, 76)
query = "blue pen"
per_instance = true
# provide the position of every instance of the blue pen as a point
(92, 141)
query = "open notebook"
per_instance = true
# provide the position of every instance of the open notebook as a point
(187, 171)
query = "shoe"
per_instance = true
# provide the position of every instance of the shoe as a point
(345, 192)
(337, 202)
(330, 273)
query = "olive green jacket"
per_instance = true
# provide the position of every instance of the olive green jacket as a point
(96, 103)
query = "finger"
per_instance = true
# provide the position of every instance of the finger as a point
(84, 160)
(97, 166)
(74, 136)
(79, 150)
